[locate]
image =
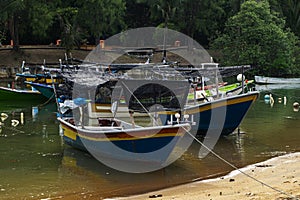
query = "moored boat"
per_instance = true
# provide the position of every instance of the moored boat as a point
(8, 94)
(221, 116)
(275, 80)
(225, 90)
(139, 142)
(45, 89)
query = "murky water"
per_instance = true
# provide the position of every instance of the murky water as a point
(35, 164)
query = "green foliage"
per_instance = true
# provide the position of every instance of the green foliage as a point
(70, 34)
(163, 11)
(257, 36)
(40, 16)
(261, 33)
(102, 17)
(290, 10)
(138, 14)
(11, 12)
(201, 18)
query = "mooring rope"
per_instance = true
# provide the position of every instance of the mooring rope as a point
(45, 103)
(144, 108)
(239, 170)
(12, 129)
(218, 156)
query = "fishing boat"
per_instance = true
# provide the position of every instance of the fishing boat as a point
(275, 80)
(45, 89)
(8, 94)
(223, 90)
(124, 140)
(39, 74)
(222, 115)
(217, 117)
(136, 140)
(202, 114)
(268, 87)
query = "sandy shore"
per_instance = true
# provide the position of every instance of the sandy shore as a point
(280, 180)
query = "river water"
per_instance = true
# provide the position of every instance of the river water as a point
(35, 163)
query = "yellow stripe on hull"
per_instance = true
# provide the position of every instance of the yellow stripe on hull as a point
(220, 104)
(192, 109)
(71, 133)
(128, 139)
(30, 79)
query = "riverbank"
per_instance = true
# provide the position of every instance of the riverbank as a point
(280, 180)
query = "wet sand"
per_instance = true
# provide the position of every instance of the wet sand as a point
(276, 179)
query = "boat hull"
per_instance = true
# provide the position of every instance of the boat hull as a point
(138, 143)
(8, 94)
(220, 116)
(44, 89)
(274, 80)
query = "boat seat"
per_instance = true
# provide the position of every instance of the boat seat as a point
(107, 122)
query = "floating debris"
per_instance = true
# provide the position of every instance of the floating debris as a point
(14, 122)
(22, 118)
(155, 196)
(296, 106)
(263, 165)
(4, 116)
(284, 100)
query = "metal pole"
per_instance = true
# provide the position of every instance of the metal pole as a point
(217, 81)
(243, 79)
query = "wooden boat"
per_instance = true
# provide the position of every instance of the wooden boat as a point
(45, 89)
(136, 140)
(225, 90)
(39, 78)
(267, 87)
(9, 94)
(221, 116)
(206, 116)
(274, 80)
(39, 74)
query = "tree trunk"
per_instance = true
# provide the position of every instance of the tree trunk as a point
(14, 32)
(16, 40)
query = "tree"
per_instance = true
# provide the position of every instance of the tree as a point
(11, 13)
(138, 14)
(290, 10)
(201, 19)
(70, 30)
(257, 36)
(40, 16)
(2, 33)
(163, 11)
(101, 18)
(23, 15)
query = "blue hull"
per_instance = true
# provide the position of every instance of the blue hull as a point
(123, 146)
(136, 148)
(220, 116)
(234, 116)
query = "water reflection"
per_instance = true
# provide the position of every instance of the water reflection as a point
(29, 161)
(34, 162)
(188, 167)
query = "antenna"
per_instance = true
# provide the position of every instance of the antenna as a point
(164, 60)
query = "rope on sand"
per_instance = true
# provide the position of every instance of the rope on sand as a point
(242, 172)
